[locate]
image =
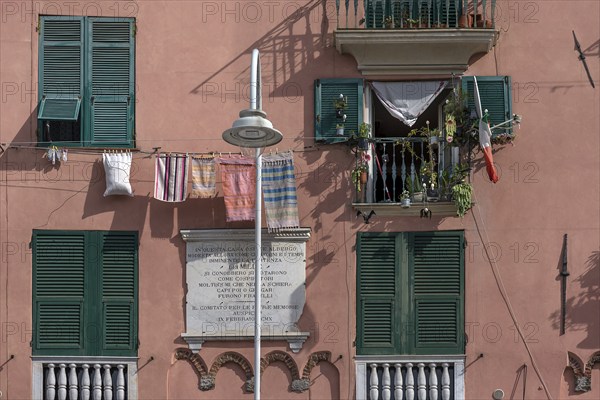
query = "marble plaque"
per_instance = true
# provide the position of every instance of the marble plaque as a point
(220, 283)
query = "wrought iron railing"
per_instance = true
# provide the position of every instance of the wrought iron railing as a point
(397, 165)
(412, 14)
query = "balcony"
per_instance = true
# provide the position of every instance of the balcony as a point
(409, 377)
(72, 378)
(396, 166)
(415, 37)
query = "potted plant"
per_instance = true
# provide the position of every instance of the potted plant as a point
(340, 104)
(388, 22)
(360, 173)
(363, 136)
(405, 199)
(339, 129)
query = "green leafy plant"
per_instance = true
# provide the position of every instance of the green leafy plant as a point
(362, 166)
(363, 130)
(461, 195)
(405, 195)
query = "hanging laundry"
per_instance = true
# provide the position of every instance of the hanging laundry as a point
(239, 187)
(203, 178)
(170, 178)
(54, 155)
(279, 191)
(117, 168)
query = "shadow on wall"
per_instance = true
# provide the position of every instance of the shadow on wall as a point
(582, 309)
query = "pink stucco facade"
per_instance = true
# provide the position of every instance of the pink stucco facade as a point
(192, 60)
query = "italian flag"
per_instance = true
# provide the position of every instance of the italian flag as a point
(485, 136)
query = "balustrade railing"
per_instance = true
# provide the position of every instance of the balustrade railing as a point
(407, 14)
(79, 380)
(395, 378)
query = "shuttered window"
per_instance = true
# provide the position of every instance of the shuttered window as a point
(85, 293)
(410, 291)
(86, 81)
(327, 119)
(495, 96)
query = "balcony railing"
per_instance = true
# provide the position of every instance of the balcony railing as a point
(407, 14)
(409, 377)
(75, 379)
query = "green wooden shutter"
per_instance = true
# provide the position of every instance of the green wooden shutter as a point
(111, 79)
(326, 92)
(436, 264)
(495, 95)
(119, 293)
(58, 292)
(60, 68)
(378, 294)
(375, 12)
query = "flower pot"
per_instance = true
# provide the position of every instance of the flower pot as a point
(339, 131)
(433, 195)
(364, 177)
(418, 197)
(363, 144)
(405, 203)
(433, 140)
(465, 21)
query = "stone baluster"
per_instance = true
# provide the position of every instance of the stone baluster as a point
(421, 382)
(410, 382)
(85, 382)
(386, 382)
(120, 383)
(374, 383)
(50, 383)
(445, 382)
(97, 383)
(433, 383)
(403, 169)
(73, 386)
(398, 392)
(107, 383)
(384, 159)
(62, 382)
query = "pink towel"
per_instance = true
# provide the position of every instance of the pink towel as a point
(239, 187)
(170, 178)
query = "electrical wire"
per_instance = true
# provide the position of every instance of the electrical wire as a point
(503, 292)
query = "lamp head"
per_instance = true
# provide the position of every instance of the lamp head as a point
(252, 130)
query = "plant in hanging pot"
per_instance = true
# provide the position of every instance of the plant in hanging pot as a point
(363, 136)
(360, 173)
(340, 104)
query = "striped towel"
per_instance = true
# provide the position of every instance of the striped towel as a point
(170, 178)
(239, 187)
(203, 178)
(279, 191)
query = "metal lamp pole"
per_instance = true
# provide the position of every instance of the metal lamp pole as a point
(254, 130)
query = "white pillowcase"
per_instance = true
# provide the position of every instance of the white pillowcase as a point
(117, 167)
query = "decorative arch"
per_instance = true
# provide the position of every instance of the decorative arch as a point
(198, 365)
(235, 358)
(583, 374)
(278, 355)
(302, 384)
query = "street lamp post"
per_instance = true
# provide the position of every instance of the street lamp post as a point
(254, 131)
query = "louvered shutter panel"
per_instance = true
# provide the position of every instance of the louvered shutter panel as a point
(58, 292)
(119, 293)
(437, 267)
(495, 95)
(61, 68)
(111, 76)
(377, 289)
(375, 11)
(326, 92)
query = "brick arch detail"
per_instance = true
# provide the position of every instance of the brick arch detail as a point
(278, 355)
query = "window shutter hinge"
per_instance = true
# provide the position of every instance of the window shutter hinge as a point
(134, 29)
(30, 244)
(38, 28)
(465, 243)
